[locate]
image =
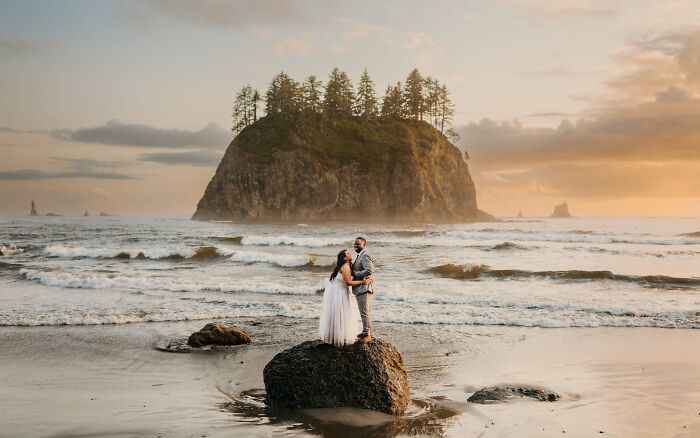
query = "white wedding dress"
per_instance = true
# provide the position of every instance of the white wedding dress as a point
(340, 318)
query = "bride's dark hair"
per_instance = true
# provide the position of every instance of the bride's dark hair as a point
(338, 264)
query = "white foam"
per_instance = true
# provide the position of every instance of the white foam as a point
(86, 280)
(102, 252)
(9, 250)
(305, 241)
(284, 260)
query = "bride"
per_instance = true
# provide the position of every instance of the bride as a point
(339, 323)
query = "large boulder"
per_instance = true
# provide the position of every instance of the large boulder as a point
(216, 333)
(318, 375)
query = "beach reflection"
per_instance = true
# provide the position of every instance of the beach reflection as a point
(427, 417)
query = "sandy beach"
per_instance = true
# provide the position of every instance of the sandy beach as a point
(112, 380)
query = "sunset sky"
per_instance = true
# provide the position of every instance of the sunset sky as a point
(124, 106)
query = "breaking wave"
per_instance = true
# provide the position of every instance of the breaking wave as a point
(86, 280)
(304, 241)
(473, 272)
(10, 249)
(198, 253)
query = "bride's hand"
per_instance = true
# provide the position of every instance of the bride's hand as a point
(368, 280)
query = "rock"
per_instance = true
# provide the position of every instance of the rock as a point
(318, 375)
(86, 213)
(280, 170)
(216, 333)
(33, 212)
(52, 214)
(561, 211)
(520, 214)
(102, 213)
(505, 393)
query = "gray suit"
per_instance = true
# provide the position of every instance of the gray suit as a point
(363, 267)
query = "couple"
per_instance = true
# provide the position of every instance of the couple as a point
(339, 318)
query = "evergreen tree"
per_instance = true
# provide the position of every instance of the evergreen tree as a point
(392, 105)
(366, 101)
(339, 96)
(283, 95)
(446, 109)
(413, 96)
(245, 108)
(311, 95)
(431, 100)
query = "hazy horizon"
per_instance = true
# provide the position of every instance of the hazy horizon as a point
(125, 106)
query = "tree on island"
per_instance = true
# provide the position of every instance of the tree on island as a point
(366, 100)
(419, 98)
(283, 96)
(245, 108)
(339, 97)
(413, 98)
(312, 97)
(392, 104)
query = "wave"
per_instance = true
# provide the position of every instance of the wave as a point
(284, 260)
(507, 246)
(10, 249)
(234, 239)
(304, 241)
(87, 280)
(197, 253)
(473, 272)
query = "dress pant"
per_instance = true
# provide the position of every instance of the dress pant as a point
(363, 301)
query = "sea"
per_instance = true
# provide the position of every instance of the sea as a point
(531, 272)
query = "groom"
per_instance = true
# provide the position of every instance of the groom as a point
(363, 267)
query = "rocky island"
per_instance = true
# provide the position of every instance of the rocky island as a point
(279, 169)
(325, 153)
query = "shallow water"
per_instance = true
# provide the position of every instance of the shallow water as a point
(581, 272)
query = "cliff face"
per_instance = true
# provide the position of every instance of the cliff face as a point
(347, 170)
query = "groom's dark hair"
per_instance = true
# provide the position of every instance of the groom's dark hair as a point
(362, 239)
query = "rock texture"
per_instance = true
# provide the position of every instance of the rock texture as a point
(216, 333)
(561, 211)
(386, 170)
(504, 393)
(33, 211)
(318, 375)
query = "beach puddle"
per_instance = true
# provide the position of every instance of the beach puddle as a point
(424, 417)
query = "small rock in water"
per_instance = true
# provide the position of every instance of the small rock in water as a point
(504, 393)
(216, 333)
(318, 375)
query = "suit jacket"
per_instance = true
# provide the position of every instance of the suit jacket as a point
(362, 267)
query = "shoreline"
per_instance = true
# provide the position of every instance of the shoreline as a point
(609, 380)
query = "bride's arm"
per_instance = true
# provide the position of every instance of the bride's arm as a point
(347, 278)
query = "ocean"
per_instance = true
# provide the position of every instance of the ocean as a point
(532, 272)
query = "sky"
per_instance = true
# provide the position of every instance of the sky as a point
(124, 106)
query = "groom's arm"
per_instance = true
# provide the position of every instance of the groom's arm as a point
(367, 268)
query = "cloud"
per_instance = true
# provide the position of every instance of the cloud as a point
(558, 72)
(422, 46)
(115, 133)
(296, 45)
(18, 46)
(22, 131)
(195, 158)
(644, 68)
(223, 13)
(565, 8)
(667, 128)
(35, 175)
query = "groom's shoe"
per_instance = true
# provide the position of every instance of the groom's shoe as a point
(363, 338)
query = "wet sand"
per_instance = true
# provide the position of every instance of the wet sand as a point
(112, 380)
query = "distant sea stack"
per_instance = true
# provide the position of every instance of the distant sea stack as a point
(561, 211)
(280, 169)
(33, 211)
